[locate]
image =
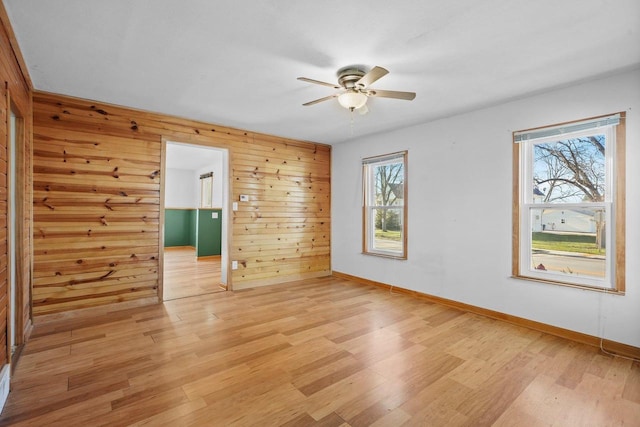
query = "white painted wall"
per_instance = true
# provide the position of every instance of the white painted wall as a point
(182, 186)
(460, 177)
(182, 189)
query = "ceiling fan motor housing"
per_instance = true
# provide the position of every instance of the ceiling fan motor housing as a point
(348, 76)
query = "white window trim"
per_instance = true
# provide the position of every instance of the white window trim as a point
(614, 159)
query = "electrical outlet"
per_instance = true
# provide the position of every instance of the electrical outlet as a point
(234, 265)
(235, 206)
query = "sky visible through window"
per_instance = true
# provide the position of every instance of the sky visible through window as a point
(570, 170)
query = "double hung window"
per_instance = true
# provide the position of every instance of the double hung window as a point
(206, 190)
(384, 205)
(569, 210)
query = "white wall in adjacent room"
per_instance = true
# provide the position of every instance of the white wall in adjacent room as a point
(181, 189)
(182, 186)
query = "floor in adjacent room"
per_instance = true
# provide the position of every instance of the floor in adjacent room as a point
(324, 352)
(186, 275)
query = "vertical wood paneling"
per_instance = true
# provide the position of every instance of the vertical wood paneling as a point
(16, 90)
(97, 222)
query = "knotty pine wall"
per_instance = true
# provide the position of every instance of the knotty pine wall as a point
(96, 199)
(15, 91)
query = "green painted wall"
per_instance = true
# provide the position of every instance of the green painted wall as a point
(194, 227)
(179, 227)
(209, 235)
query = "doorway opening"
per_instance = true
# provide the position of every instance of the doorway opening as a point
(195, 212)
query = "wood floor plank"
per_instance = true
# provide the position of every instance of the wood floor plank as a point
(305, 420)
(350, 367)
(632, 384)
(366, 353)
(317, 352)
(273, 399)
(487, 403)
(440, 397)
(186, 275)
(78, 414)
(552, 404)
(173, 416)
(393, 418)
(331, 398)
(376, 403)
(125, 415)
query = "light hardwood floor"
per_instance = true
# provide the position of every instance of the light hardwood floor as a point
(325, 352)
(185, 275)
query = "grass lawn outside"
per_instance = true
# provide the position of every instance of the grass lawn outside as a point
(389, 235)
(578, 243)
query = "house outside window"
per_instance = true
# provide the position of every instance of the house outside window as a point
(569, 211)
(384, 205)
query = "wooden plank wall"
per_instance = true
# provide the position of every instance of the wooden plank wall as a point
(96, 183)
(16, 89)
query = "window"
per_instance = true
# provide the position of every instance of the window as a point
(384, 205)
(206, 190)
(569, 203)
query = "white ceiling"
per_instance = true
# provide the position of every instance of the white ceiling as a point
(235, 62)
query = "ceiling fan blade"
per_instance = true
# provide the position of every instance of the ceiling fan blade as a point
(408, 96)
(326, 98)
(373, 75)
(318, 82)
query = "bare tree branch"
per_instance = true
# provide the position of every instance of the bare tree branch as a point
(573, 169)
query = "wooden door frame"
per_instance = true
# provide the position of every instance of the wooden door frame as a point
(227, 210)
(15, 314)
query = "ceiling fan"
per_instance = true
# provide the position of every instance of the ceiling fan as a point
(354, 82)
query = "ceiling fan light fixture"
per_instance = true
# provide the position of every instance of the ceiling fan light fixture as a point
(352, 100)
(356, 85)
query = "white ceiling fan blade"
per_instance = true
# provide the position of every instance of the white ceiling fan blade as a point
(373, 75)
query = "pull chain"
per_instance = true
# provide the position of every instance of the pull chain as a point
(351, 121)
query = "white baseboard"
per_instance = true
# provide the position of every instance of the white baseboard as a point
(5, 378)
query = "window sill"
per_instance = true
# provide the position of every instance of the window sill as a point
(382, 255)
(570, 285)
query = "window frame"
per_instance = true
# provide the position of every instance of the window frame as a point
(368, 220)
(614, 204)
(206, 194)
